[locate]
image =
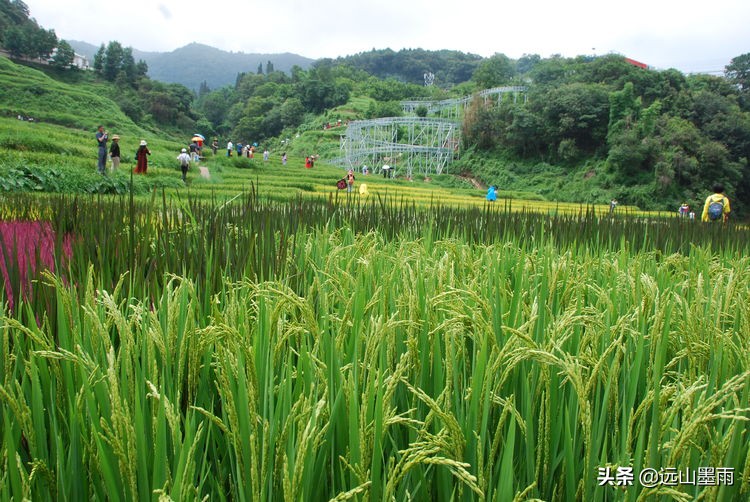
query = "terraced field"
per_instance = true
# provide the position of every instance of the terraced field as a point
(60, 159)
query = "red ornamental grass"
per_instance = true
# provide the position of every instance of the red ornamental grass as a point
(32, 243)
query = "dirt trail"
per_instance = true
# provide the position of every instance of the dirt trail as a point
(472, 180)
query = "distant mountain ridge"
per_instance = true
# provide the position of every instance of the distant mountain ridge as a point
(195, 63)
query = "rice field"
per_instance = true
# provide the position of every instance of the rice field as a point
(44, 157)
(221, 346)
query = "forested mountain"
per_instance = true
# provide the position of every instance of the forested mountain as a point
(196, 64)
(411, 65)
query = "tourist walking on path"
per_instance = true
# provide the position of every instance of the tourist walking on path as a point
(716, 207)
(101, 141)
(230, 146)
(114, 152)
(141, 158)
(491, 194)
(350, 181)
(184, 159)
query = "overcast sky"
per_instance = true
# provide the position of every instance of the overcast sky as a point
(688, 35)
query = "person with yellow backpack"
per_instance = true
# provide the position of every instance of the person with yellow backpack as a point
(716, 207)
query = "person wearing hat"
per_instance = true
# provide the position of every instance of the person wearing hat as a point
(184, 159)
(141, 158)
(349, 181)
(114, 152)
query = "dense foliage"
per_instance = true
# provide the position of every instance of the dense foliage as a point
(411, 65)
(20, 35)
(655, 138)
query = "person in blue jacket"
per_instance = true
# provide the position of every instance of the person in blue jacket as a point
(491, 194)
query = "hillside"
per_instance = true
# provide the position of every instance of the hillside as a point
(412, 65)
(195, 63)
(31, 93)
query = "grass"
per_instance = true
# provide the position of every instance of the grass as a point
(49, 158)
(310, 349)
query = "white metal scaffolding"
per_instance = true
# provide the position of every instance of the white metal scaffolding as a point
(413, 144)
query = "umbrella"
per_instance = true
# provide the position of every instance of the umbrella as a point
(199, 136)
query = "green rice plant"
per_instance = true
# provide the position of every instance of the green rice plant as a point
(243, 348)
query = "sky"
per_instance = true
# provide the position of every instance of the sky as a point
(691, 36)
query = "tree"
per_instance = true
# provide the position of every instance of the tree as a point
(738, 72)
(128, 66)
(113, 58)
(494, 71)
(64, 55)
(292, 112)
(141, 69)
(624, 107)
(269, 67)
(16, 13)
(578, 112)
(99, 60)
(481, 126)
(527, 62)
(203, 89)
(16, 41)
(260, 69)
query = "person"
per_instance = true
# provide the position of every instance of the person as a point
(308, 163)
(283, 159)
(194, 150)
(266, 154)
(101, 141)
(312, 160)
(684, 210)
(141, 158)
(364, 170)
(215, 145)
(491, 194)
(612, 206)
(239, 148)
(386, 170)
(230, 147)
(184, 159)
(114, 152)
(716, 207)
(350, 181)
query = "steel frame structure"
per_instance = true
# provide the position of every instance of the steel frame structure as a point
(409, 144)
(406, 144)
(453, 108)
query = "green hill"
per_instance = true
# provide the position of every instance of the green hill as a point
(31, 93)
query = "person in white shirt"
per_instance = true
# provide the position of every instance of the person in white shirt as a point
(184, 159)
